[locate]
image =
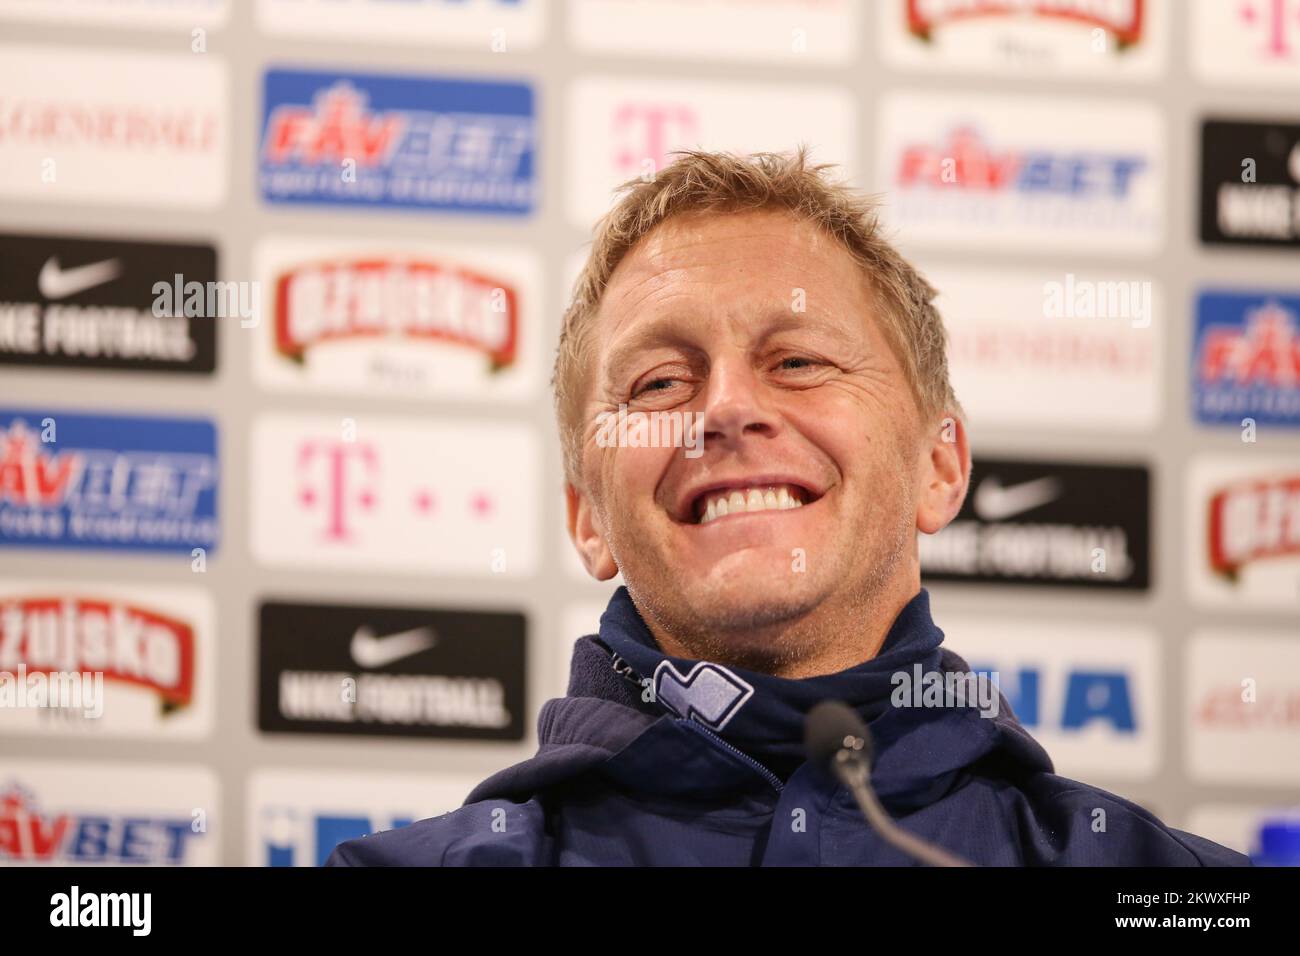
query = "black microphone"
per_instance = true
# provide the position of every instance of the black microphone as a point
(837, 741)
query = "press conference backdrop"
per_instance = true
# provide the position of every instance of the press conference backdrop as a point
(280, 283)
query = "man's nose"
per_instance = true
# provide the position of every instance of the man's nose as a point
(737, 405)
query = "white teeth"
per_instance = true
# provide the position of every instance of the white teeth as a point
(776, 498)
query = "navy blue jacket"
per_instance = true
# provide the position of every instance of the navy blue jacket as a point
(655, 760)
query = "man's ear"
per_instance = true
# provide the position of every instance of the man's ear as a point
(587, 535)
(945, 475)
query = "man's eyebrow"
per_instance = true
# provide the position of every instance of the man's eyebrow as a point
(663, 332)
(657, 332)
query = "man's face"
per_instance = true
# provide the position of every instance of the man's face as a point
(763, 324)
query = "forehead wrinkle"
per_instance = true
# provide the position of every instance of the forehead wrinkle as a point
(626, 303)
(672, 247)
(665, 257)
(659, 331)
(780, 319)
(663, 250)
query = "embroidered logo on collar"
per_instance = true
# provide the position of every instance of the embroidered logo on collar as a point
(623, 669)
(710, 694)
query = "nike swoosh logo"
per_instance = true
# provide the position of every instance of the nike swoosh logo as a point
(371, 651)
(996, 503)
(57, 283)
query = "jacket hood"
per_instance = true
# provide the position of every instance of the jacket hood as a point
(632, 710)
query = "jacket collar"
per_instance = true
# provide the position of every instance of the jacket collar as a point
(918, 749)
(632, 711)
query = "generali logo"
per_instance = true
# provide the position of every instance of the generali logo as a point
(1242, 705)
(1122, 19)
(1225, 706)
(1254, 520)
(417, 300)
(91, 126)
(128, 644)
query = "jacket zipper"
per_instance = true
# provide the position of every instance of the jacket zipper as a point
(740, 755)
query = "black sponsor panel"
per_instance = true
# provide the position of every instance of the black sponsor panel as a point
(90, 303)
(389, 671)
(1039, 522)
(1250, 183)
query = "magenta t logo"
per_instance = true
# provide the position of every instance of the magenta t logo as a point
(337, 475)
(1279, 19)
(647, 132)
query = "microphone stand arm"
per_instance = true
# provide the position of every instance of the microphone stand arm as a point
(853, 773)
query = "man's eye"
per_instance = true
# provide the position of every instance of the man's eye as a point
(655, 385)
(796, 362)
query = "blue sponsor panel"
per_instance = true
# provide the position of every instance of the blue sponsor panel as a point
(1246, 358)
(1091, 695)
(292, 839)
(108, 482)
(410, 142)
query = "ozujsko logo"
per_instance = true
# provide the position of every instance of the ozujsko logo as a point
(1120, 18)
(1254, 520)
(414, 300)
(128, 645)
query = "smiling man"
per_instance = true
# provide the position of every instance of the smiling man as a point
(770, 565)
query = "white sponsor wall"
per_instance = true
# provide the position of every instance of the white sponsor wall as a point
(400, 194)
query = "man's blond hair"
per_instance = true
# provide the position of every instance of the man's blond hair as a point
(723, 182)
